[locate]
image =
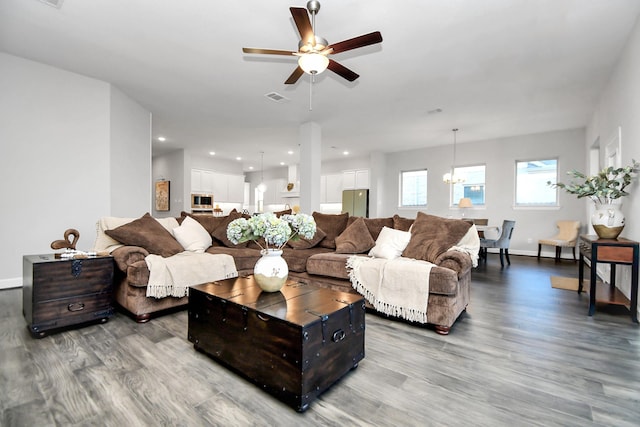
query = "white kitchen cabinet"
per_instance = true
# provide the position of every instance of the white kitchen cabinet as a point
(224, 187)
(333, 193)
(201, 181)
(355, 179)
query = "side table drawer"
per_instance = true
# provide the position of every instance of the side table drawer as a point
(71, 311)
(73, 277)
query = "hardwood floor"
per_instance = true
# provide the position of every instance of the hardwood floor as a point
(522, 354)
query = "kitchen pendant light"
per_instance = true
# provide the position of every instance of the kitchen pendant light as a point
(451, 177)
(262, 187)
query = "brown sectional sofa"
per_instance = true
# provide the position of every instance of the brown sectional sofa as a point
(316, 262)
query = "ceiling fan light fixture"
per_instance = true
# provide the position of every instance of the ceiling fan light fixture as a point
(313, 63)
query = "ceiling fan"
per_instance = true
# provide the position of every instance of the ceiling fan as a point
(313, 50)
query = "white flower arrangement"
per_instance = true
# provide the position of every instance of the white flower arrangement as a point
(275, 231)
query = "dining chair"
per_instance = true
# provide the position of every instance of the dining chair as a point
(502, 242)
(567, 237)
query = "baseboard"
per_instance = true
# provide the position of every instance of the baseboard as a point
(16, 282)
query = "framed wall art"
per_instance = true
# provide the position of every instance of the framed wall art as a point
(162, 195)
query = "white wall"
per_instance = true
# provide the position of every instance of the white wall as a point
(499, 156)
(55, 143)
(619, 105)
(130, 144)
(170, 167)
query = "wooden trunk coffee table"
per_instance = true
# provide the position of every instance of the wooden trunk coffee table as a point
(294, 344)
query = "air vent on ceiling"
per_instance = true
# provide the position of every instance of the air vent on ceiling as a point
(276, 97)
(54, 3)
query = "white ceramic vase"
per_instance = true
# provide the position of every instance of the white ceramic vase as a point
(271, 270)
(607, 219)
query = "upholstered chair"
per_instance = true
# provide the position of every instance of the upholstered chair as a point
(502, 242)
(567, 237)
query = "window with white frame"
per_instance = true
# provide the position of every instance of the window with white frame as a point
(532, 189)
(473, 186)
(413, 188)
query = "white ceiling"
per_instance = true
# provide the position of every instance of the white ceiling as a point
(496, 68)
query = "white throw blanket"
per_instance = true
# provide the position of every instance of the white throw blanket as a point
(172, 276)
(469, 244)
(397, 287)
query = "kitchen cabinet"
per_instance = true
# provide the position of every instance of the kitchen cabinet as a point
(331, 188)
(355, 179)
(224, 187)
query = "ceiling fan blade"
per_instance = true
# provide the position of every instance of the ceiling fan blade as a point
(356, 42)
(267, 51)
(301, 18)
(293, 78)
(342, 71)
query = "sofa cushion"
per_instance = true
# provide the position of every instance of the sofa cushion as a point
(244, 258)
(329, 264)
(374, 225)
(355, 239)
(332, 225)
(192, 236)
(209, 222)
(400, 223)
(220, 232)
(390, 243)
(431, 236)
(302, 243)
(297, 258)
(105, 243)
(149, 234)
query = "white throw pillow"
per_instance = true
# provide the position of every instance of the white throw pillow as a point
(390, 243)
(192, 236)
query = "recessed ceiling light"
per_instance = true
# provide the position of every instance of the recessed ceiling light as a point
(250, 168)
(162, 139)
(346, 153)
(281, 163)
(238, 158)
(212, 153)
(290, 152)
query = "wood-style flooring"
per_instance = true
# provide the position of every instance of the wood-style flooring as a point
(523, 354)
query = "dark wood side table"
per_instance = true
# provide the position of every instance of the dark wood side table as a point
(58, 293)
(612, 252)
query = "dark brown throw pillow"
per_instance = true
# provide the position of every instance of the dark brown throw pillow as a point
(303, 243)
(149, 234)
(400, 223)
(220, 232)
(209, 222)
(332, 225)
(355, 239)
(374, 225)
(431, 236)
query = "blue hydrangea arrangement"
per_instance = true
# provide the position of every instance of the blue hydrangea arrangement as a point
(275, 231)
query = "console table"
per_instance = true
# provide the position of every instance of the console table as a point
(612, 252)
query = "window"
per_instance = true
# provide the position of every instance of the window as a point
(413, 188)
(472, 187)
(531, 182)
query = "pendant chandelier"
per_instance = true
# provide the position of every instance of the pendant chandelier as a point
(451, 177)
(262, 187)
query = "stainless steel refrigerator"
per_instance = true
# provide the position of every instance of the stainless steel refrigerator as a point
(356, 202)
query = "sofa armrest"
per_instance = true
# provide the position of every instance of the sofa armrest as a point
(457, 261)
(128, 255)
